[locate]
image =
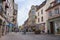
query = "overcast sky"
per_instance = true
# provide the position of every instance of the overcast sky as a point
(24, 7)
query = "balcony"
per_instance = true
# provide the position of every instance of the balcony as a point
(54, 16)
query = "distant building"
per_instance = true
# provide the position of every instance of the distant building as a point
(15, 14)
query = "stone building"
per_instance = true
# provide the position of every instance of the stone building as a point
(6, 16)
(42, 15)
(3, 17)
(15, 14)
(53, 12)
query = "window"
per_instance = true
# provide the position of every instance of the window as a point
(50, 13)
(33, 12)
(0, 8)
(38, 13)
(33, 8)
(35, 17)
(57, 11)
(42, 18)
(0, 1)
(41, 11)
(38, 19)
(0, 22)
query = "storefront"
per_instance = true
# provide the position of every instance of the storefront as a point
(10, 26)
(54, 26)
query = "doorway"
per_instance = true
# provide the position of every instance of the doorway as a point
(52, 27)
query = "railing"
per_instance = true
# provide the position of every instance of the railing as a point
(54, 16)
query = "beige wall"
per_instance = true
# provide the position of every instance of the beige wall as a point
(45, 15)
(31, 14)
(15, 6)
(10, 10)
(53, 11)
(16, 12)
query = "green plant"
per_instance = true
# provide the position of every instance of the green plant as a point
(58, 30)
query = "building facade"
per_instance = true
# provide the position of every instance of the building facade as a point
(15, 13)
(46, 17)
(53, 12)
(42, 15)
(31, 20)
(6, 16)
(3, 7)
(15, 16)
(10, 12)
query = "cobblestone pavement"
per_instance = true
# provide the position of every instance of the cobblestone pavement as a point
(29, 36)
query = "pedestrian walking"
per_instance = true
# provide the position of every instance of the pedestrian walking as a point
(24, 31)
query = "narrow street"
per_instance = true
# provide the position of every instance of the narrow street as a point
(29, 36)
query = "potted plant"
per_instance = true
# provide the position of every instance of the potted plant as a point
(58, 30)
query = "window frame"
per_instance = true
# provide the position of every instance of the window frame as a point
(50, 13)
(42, 11)
(56, 10)
(38, 19)
(42, 19)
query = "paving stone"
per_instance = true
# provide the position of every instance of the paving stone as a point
(29, 36)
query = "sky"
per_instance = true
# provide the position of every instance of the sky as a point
(23, 9)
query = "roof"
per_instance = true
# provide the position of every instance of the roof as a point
(41, 5)
(50, 7)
